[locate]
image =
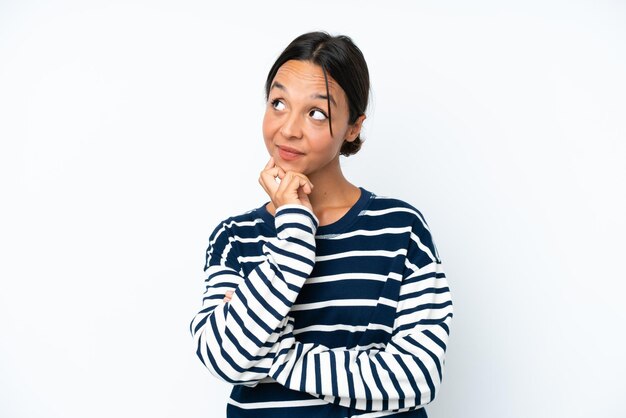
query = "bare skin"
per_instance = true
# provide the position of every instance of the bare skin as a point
(304, 155)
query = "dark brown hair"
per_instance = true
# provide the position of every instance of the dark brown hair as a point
(340, 58)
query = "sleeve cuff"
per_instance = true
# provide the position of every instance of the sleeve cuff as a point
(297, 209)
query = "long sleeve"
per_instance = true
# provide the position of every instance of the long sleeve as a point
(407, 373)
(237, 340)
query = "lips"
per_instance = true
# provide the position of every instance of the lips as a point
(289, 154)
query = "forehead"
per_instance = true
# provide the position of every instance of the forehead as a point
(296, 74)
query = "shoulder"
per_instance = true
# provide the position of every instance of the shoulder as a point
(401, 214)
(397, 209)
(397, 213)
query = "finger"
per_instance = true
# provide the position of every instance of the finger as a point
(281, 172)
(270, 163)
(297, 174)
(288, 184)
(269, 185)
(288, 188)
(305, 183)
(308, 186)
(304, 199)
(270, 174)
(267, 178)
(271, 168)
(305, 178)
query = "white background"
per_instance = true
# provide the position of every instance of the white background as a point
(130, 128)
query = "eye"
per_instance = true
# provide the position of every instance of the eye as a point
(278, 104)
(318, 114)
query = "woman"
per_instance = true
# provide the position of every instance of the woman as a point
(328, 301)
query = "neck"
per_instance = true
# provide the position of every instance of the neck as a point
(331, 189)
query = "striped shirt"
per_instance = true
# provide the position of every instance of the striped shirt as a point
(349, 319)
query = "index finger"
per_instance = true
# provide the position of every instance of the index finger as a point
(270, 163)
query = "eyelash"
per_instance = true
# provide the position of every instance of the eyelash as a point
(321, 111)
(275, 101)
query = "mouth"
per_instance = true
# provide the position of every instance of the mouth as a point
(289, 154)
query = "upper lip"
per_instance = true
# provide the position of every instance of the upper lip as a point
(288, 149)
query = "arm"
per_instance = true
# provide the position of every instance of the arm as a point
(236, 341)
(408, 372)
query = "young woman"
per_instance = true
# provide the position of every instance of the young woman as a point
(328, 300)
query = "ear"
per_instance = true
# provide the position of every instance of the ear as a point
(355, 129)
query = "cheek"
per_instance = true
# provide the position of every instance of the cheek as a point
(322, 143)
(268, 129)
(271, 123)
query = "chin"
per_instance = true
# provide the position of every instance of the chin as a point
(292, 166)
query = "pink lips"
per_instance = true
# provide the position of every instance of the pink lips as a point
(289, 154)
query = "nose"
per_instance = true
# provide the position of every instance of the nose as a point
(292, 126)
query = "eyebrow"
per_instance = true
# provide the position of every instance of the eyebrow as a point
(325, 97)
(279, 86)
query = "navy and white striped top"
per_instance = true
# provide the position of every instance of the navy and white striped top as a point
(349, 319)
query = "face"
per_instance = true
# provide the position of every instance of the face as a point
(296, 127)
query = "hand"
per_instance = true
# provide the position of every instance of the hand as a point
(228, 296)
(294, 187)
